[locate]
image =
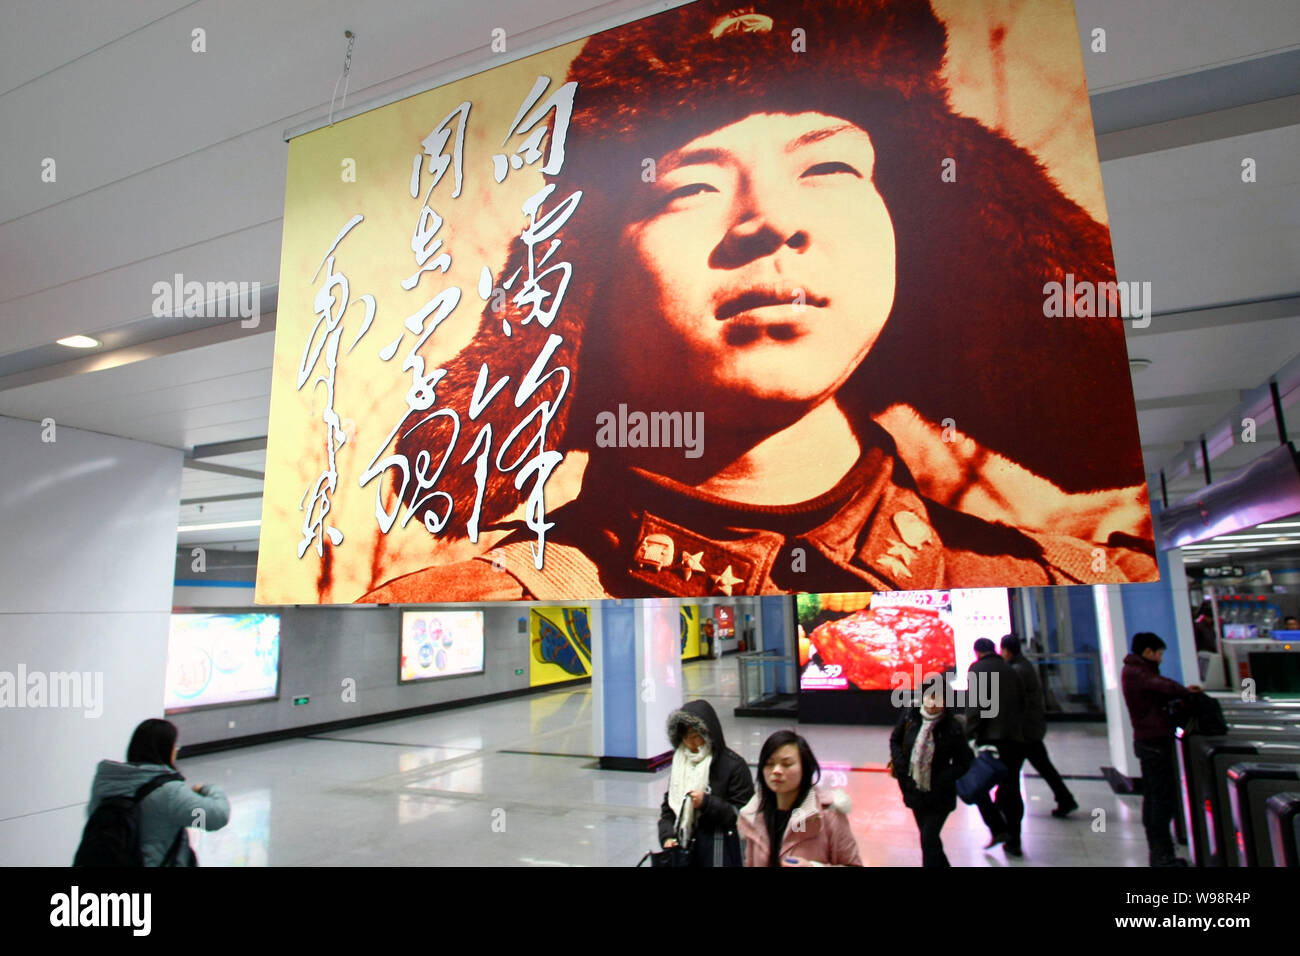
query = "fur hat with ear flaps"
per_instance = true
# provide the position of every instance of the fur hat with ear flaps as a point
(966, 339)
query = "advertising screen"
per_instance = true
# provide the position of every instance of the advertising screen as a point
(889, 640)
(221, 659)
(543, 320)
(441, 644)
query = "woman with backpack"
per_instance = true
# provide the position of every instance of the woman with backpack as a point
(139, 810)
(929, 755)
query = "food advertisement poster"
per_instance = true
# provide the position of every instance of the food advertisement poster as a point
(894, 640)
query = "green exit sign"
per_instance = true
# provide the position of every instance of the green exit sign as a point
(519, 671)
(299, 701)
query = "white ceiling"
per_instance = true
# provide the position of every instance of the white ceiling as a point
(173, 161)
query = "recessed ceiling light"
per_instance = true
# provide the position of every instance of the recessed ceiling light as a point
(1139, 364)
(79, 342)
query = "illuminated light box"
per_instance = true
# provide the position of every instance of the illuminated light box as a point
(525, 348)
(883, 641)
(440, 644)
(221, 659)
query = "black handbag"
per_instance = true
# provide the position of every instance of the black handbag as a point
(669, 856)
(673, 855)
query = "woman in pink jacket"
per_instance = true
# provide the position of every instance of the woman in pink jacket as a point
(808, 827)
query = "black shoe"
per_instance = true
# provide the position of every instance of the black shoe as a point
(1013, 849)
(997, 838)
(1065, 809)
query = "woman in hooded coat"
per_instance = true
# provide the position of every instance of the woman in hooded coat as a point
(707, 785)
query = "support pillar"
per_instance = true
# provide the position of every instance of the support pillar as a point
(636, 680)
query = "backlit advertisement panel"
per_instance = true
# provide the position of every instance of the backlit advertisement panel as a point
(665, 313)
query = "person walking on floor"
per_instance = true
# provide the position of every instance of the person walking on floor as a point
(995, 715)
(1035, 726)
(929, 755)
(1148, 695)
(170, 808)
(707, 786)
(790, 822)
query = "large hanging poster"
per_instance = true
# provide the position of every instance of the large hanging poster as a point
(770, 298)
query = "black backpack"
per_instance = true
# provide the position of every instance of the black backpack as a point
(1199, 714)
(112, 834)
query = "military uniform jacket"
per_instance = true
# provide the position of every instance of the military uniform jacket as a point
(631, 533)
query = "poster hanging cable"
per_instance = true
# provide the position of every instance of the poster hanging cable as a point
(343, 77)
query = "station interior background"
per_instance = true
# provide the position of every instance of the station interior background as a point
(174, 163)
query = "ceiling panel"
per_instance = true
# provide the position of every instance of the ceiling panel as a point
(1183, 220)
(196, 374)
(1206, 360)
(1160, 38)
(43, 35)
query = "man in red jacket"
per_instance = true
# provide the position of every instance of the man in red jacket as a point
(1147, 695)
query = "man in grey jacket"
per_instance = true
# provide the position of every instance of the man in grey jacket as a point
(1035, 728)
(171, 808)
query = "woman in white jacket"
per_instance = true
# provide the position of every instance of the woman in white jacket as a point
(169, 810)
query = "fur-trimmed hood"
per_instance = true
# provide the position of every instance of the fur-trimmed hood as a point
(698, 715)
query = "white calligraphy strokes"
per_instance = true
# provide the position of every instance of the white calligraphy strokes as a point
(562, 102)
(423, 243)
(420, 397)
(331, 303)
(523, 450)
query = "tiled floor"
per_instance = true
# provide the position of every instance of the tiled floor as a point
(513, 783)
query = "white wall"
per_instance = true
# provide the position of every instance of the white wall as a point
(1113, 642)
(88, 525)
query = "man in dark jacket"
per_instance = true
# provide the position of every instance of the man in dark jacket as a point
(995, 716)
(1148, 695)
(711, 817)
(1035, 727)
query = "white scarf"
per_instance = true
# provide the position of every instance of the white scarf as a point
(690, 772)
(923, 751)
